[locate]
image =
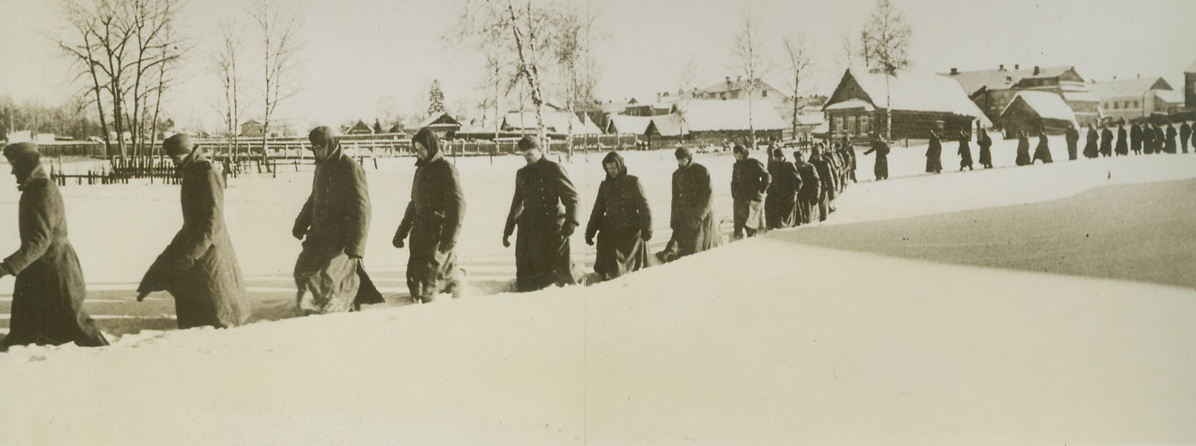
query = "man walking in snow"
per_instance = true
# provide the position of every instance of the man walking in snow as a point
(1136, 138)
(749, 180)
(780, 205)
(544, 208)
(1073, 141)
(199, 267)
(934, 154)
(1122, 147)
(433, 220)
(881, 168)
(692, 215)
(1185, 132)
(811, 190)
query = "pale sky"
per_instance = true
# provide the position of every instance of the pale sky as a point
(372, 58)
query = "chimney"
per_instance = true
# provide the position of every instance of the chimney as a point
(1036, 71)
(657, 97)
(954, 71)
(728, 82)
(1002, 68)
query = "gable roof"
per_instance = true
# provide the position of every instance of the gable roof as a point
(1130, 87)
(669, 125)
(629, 124)
(440, 120)
(716, 115)
(735, 85)
(1046, 105)
(554, 122)
(971, 81)
(909, 91)
(1170, 96)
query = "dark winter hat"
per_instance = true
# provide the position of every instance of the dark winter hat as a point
(179, 143)
(682, 153)
(322, 135)
(527, 143)
(739, 149)
(797, 156)
(778, 154)
(20, 150)
(429, 140)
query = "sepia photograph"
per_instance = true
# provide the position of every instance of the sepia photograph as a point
(598, 222)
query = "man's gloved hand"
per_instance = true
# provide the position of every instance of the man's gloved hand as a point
(567, 229)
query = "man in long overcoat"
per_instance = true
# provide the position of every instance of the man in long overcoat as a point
(1148, 139)
(1170, 146)
(333, 225)
(47, 299)
(1042, 152)
(1073, 140)
(965, 150)
(621, 221)
(881, 168)
(749, 180)
(934, 154)
(544, 208)
(825, 206)
(1185, 133)
(1122, 147)
(199, 267)
(433, 222)
(692, 209)
(810, 192)
(1091, 142)
(1136, 138)
(1022, 157)
(780, 205)
(986, 155)
(1106, 141)
(1160, 140)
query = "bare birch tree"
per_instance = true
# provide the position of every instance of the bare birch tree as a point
(885, 44)
(799, 65)
(752, 60)
(224, 65)
(280, 47)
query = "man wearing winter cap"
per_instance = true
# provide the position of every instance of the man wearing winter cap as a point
(749, 181)
(199, 267)
(544, 208)
(47, 299)
(692, 215)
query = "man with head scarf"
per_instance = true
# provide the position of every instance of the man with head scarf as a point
(47, 299)
(986, 155)
(199, 267)
(1073, 140)
(881, 168)
(544, 208)
(621, 220)
(433, 220)
(934, 154)
(780, 205)
(810, 191)
(749, 180)
(333, 225)
(692, 212)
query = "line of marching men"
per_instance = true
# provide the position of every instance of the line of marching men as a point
(199, 267)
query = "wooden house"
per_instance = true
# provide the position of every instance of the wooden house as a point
(1035, 111)
(859, 106)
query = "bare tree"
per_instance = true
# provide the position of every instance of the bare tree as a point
(850, 53)
(885, 41)
(224, 64)
(126, 49)
(752, 60)
(277, 25)
(687, 76)
(799, 66)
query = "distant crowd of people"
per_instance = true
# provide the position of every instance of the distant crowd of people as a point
(199, 267)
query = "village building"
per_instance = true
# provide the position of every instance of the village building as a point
(993, 90)
(859, 106)
(278, 129)
(733, 119)
(443, 125)
(359, 128)
(1190, 87)
(1129, 99)
(1036, 111)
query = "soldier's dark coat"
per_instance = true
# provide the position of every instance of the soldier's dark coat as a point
(1136, 138)
(544, 201)
(1122, 147)
(965, 151)
(1090, 144)
(1073, 141)
(433, 220)
(986, 154)
(1185, 133)
(335, 220)
(1043, 150)
(692, 217)
(1170, 146)
(828, 186)
(934, 154)
(47, 298)
(199, 267)
(622, 222)
(1023, 150)
(1160, 139)
(808, 195)
(749, 180)
(1106, 142)
(881, 168)
(780, 205)
(1148, 139)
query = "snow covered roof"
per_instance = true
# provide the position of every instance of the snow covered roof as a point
(851, 103)
(629, 124)
(1000, 78)
(716, 115)
(1081, 96)
(1047, 105)
(1130, 87)
(554, 121)
(669, 125)
(911, 91)
(589, 127)
(1170, 96)
(810, 118)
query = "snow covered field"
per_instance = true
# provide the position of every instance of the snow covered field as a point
(759, 342)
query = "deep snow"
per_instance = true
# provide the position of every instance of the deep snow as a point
(759, 342)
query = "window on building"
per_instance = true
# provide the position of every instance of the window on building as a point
(1136, 105)
(851, 125)
(838, 124)
(864, 125)
(764, 93)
